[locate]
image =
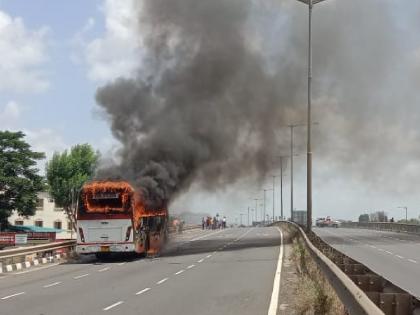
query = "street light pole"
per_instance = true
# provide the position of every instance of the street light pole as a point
(273, 196)
(291, 167)
(256, 209)
(265, 190)
(310, 4)
(281, 185)
(264, 207)
(309, 145)
(406, 210)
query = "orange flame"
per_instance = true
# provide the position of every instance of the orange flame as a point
(125, 190)
(91, 189)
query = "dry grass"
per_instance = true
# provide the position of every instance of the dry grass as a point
(315, 295)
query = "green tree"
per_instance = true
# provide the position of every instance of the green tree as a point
(19, 179)
(67, 172)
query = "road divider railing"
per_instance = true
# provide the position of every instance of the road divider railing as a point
(384, 226)
(24, 257)
(361, 290)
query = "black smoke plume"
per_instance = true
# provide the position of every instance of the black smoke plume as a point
(220, 79)
(203, 106)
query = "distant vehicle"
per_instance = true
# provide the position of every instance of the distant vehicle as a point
(112, 217)
(327, 222)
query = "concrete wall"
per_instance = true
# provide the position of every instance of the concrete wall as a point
(49, 214)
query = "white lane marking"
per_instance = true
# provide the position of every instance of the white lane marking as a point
(162, 281)
(274, 302)
(103, 269)
(381, 250)
(36, 269)
(388, 252)
(203, 236)
(243, 235)
(372, 246)
(81, 276)
(208, 256)
(52, 284)
(113, 305)
(201, 260)
(120, 264)
(413, 261)
(12, 295)
(179, 272)
(142, 291)
(190, 266)
(401, 257)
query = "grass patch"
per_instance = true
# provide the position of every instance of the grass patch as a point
(314, 293)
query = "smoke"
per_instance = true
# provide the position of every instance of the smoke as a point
(219, 80)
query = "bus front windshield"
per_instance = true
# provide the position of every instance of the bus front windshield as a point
(104, 203)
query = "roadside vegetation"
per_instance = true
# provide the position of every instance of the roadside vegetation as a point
(315, 295)
(19, 179)
(66, 173)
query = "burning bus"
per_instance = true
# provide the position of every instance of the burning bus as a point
(112, 217)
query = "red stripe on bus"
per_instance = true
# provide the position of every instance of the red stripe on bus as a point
(105, 243)
(101, 216)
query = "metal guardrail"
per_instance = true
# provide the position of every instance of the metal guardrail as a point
(18, 254)
(36, 248)
(13, 255)
(354, 298)
(361, 290)
(384, 226)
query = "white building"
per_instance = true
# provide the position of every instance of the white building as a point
(46, 215)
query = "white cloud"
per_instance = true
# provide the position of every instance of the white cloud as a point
(9, 115)
(45, 140)
(117, 52)
(22, 52)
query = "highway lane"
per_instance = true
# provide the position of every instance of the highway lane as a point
(395, 256)
(229, 271)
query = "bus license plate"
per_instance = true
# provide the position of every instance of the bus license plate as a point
(104, 248)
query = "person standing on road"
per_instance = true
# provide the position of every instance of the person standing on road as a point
(203, 223)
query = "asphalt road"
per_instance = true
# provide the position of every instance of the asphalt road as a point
(395, 256)
(201, 272)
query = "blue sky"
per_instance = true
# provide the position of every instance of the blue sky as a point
(56, 53)
(67, 106)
